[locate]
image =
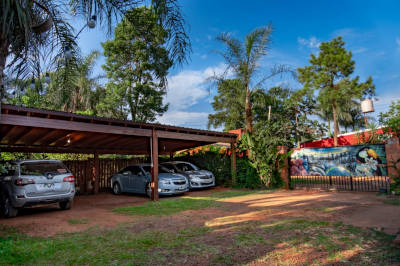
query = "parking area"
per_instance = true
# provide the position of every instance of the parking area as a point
(87, 211)
(358, 209)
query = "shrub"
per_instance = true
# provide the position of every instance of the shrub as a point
(215, 160)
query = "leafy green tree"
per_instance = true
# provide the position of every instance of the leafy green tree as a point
(33, 33)
(137, 64)
(243, 58)
(77, 90)
(391, 119)
(229, 105)
(330, 76)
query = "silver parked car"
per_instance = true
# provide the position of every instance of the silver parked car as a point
(30, 182)
(197, 178)
(137, 178)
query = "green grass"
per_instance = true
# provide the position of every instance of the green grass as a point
(171, 206)
(122, 246)
(77, 221)
(326, 209)
(167, 207)
(269, 242)
(392, 201)
(94, 247)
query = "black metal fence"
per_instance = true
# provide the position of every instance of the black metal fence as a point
(350, 183)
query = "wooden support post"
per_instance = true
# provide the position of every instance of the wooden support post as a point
(233, 163)
(96, 173)
(285, 167)
(154, 156)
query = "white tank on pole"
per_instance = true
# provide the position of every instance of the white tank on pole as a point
(367, 106)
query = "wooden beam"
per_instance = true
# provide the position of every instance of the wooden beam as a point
(19, 120)
(52, 137)
(154, 176)
(40, 132)
(46, 149)
(11, 133)
(87, 141)
(195, 137)
(16, 137)
(4, 131)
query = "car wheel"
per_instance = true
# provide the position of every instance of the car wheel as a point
(66, 205)
(116, 189)
(148, 190)
(8, 210)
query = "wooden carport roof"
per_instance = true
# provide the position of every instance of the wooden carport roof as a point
(37, 130)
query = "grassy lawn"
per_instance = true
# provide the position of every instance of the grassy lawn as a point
(392, 201)
(281, 241)
(171, 206)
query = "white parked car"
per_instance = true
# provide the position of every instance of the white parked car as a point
(197, 178)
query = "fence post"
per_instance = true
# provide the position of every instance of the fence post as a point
(96, 172)
(351, 183)
(285, 167)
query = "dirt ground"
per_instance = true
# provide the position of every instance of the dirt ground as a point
(355, 208)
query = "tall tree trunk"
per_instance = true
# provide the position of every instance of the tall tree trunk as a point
(75, 101)
(329, 127)
(131, 106)
(249, 115)
(335, 125)
(3, 59)
(297, 132)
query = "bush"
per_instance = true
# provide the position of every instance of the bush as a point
(219, 163)
(247, 176)
(211, 160)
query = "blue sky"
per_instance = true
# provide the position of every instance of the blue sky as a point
(371, 30)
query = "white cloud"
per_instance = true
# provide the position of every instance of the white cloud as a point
(384, 101)
(311, 42)
(398, 41)
(185, 89)
(359, 50)
(185, 119)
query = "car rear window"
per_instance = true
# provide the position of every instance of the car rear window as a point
(43, 168)
(186, 167)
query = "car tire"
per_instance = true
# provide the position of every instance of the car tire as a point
(148, 190)
(116, 189)
(66, 205)
(8, 210)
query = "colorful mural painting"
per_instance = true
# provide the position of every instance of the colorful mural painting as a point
(360, 160)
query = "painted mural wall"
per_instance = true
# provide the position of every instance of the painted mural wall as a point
(360, 160)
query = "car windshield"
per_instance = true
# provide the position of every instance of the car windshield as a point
(186, 167)
(43, 168)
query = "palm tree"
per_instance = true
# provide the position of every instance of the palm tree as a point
(77, 93)
(243, 58)
(28, 27)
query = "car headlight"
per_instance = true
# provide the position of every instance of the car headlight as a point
(166, 182)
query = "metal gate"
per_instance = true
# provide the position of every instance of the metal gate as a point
(349, 183)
